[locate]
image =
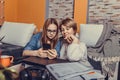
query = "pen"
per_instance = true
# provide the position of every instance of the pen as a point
(82, 77)
(93, 79)
(91, 72)
(2, 38)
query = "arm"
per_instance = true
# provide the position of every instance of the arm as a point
(39, 53)
(53, 53)
(30, 53)
(31, 48)
(75, 52)
(58, 47)
(32, 44)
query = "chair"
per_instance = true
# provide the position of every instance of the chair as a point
(94, 35)
(14, 37)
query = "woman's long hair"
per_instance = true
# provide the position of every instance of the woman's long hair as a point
(44, 38)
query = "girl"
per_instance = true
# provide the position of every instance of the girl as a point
(72, 49)
(48, 36)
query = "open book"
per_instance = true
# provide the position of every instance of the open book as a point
(62, 71)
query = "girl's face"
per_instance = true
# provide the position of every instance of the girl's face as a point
(51, 31)
(65, 30)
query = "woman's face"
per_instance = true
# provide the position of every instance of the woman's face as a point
(51, 31)
(66, 30)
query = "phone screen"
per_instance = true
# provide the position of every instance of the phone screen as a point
(46, 46)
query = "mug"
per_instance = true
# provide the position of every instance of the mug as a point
(6, 60)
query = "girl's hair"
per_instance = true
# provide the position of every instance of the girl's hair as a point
(69, 23)
(44, 37)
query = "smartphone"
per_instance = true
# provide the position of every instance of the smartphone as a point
(46, 46)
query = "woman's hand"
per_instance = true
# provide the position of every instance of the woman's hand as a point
(71, 39)
(51, 53)
(41, 53)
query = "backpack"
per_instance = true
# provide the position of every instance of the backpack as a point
(34, 73)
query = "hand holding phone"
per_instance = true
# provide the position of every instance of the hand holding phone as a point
(52, 53)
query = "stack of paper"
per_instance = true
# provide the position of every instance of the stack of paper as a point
(63, 71)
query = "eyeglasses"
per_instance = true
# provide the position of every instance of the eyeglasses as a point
(50, 31)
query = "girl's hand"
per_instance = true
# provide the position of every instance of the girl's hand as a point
(51, 53)
(71, 39)
(42, 53)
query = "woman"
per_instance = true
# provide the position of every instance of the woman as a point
(49, 36)
(72, 49)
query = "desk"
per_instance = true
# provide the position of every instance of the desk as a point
(42, 61)
(35, 61)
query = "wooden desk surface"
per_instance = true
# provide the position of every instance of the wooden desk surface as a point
(42, 61)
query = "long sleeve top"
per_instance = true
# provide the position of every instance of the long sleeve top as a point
(35, 44)
(74, 52)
